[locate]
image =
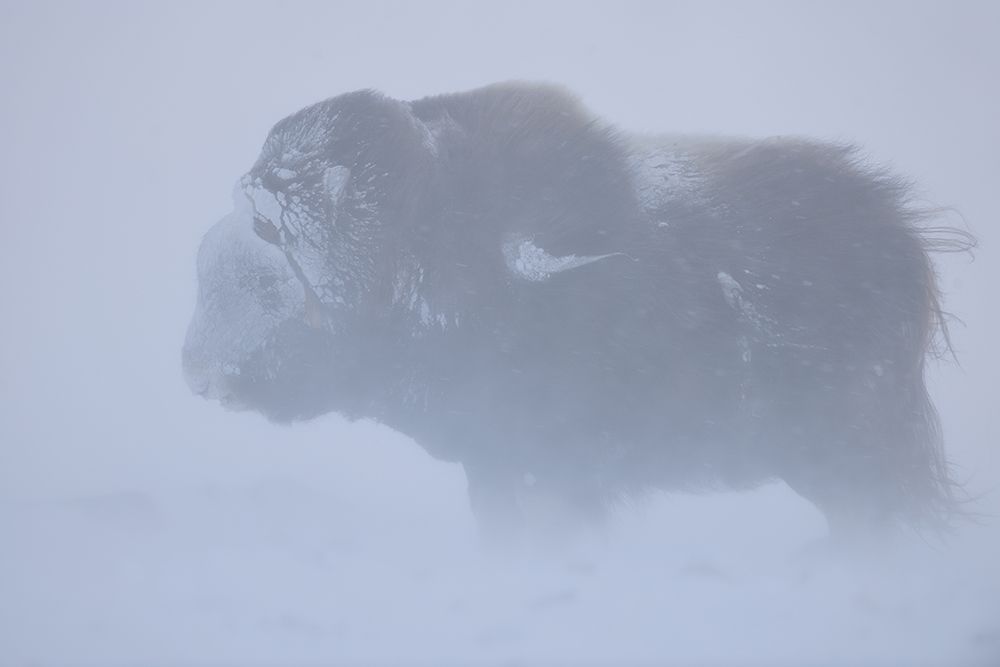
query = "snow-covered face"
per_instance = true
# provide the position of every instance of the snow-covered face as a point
(292, 268)
(246, 290)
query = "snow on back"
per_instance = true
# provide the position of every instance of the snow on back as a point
(663, 170)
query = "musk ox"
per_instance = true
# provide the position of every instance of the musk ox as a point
(524, 289)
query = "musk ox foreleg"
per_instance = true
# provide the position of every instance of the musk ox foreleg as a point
(548, 506)
(493, 498)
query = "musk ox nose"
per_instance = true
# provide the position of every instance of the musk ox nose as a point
(199, 378)
(198, 385)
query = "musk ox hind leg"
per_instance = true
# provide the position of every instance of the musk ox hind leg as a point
(839, 326)
(866, 450)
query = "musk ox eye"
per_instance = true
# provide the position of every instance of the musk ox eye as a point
(266, 230)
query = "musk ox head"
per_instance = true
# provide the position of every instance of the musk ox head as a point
(369, 223)
(289, 283)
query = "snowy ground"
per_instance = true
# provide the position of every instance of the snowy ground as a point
(311, 565)
(140, 525)
(305, 565)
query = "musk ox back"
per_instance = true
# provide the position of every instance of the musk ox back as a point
(559, 306)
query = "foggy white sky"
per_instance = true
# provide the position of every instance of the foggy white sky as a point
(123, 127)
